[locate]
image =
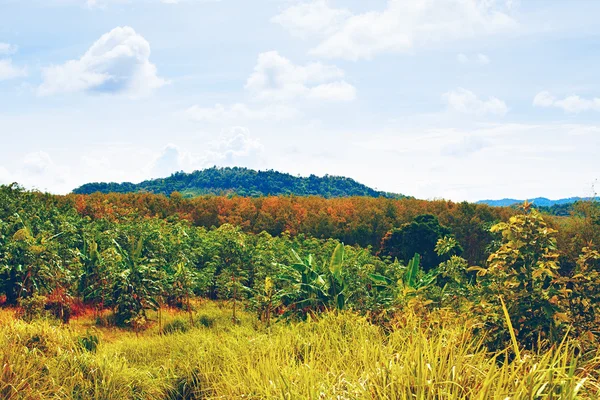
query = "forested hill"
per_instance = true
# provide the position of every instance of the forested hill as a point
(243, 182)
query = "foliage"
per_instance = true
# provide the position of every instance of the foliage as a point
(266, 301)
(584, 292)
(310, 287)
(134, 253)
(137, 285)
(33, 307)
(419, 236)
(523, 273)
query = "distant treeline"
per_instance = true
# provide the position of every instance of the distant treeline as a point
(242, 182)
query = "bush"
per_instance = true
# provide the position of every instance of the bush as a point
(206, 321)
(523, 273)
(33, 307)
(178, 325)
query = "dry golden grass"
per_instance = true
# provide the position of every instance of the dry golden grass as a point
(340, 356)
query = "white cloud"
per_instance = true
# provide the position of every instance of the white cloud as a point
(117, 63)
(5, 176)
(277, 78)
(37, 163)
(234, 147)
(544, 99)
(9, 71)
(104, 3)
(7, 49)
(306, 19)
(37, 170)
(336, 91)
(570, 104)
(401, 26)
(172, 159)
(477, 59)
(188, 1)
(465, 146)
(462, 58)
(467, 102)
(240, 111)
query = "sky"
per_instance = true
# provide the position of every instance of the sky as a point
(453, 99)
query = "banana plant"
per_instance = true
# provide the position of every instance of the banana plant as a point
(137, 286)
(312, 288)
(338, 287)
(412, 281)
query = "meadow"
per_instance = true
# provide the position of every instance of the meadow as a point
(338, 355)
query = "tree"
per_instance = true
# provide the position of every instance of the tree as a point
(137, 285)
(419, 236)
(523, 273)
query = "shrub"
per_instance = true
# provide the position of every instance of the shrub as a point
(524, 273)
(178, 325)
(33, 307)
(206, 321)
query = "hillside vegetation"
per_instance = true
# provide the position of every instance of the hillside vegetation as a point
(242, 182)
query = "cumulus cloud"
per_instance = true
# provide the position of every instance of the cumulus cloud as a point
(172, 159)
(37, 163)
(236, 147)
(118, 63)
(7, 49)
(307, 19)
(37, 170)
(233, 147)
(476, 59)
(9, 71)
(401, 26)
(240, 111)
(570, 104)
(467, 102)
(277, 78)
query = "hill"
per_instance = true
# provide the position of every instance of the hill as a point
(538, 201)
(242, 182)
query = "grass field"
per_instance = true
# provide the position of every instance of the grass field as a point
(338, 356)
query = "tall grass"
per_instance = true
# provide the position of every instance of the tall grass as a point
(338, 356)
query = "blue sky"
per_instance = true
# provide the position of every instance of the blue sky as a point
(456, 99)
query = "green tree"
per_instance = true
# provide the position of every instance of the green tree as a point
(137, 285)
(524, 273)
(419, 236)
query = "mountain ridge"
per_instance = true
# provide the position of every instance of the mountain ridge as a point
(537, 201)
